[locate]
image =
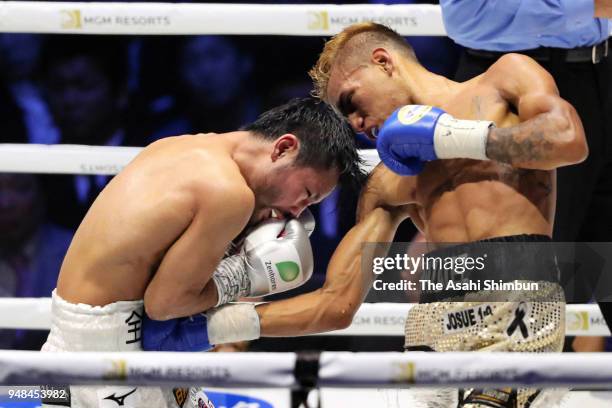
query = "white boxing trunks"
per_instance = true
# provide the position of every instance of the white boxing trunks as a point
(113, 327)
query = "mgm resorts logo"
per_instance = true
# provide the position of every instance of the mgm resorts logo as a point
(577, 321)
(321, 20)
(404, 372)
(117, 370)
(74, 19)
(71, 19)
(318, 20)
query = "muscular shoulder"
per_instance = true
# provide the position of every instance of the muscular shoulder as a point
(221, 187)
(513, 74)
(202, 173)
(515, 66)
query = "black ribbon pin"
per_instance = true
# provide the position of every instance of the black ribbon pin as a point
(519, 315)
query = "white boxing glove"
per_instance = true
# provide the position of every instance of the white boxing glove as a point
(274, 227)
(276, 257)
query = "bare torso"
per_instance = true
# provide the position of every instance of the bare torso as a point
(138, 216)
(467, 200)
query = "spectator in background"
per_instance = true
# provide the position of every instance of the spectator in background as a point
(12, 126)
(565, 37)
(215, 88)
(31, 250)
(19, 59)
(85, 84)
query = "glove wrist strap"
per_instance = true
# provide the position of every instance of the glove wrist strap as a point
(232, 323)
(461, 139)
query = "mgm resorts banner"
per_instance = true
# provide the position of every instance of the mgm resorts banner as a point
(188, 18)
(520, 268)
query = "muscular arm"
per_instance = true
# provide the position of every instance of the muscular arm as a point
(550, 134)
(332, 307)
(177, 288)
(385, 189)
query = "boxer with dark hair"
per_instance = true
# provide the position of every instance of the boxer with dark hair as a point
(157, 238)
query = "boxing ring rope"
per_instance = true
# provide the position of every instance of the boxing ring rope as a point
(372, 319)
(83, 159)
(327, 369)
(184, 18)
(215, 19)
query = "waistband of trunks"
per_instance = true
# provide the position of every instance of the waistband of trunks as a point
(503, 259)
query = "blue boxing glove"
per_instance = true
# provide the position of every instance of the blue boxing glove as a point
(183, 334)
(416, 134)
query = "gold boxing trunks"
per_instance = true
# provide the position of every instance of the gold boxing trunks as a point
(494, 320)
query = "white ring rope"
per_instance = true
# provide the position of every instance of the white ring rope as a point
(372, 319)
(82, 159)
(65, 159)
(465, 369)
(186, 18)
(383, 369)
(215, 369)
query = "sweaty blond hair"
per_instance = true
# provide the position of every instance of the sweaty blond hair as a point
(354, 42)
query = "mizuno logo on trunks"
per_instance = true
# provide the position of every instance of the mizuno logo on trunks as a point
(120, 400)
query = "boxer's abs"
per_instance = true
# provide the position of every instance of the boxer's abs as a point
(485, 200)
(467, 200)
